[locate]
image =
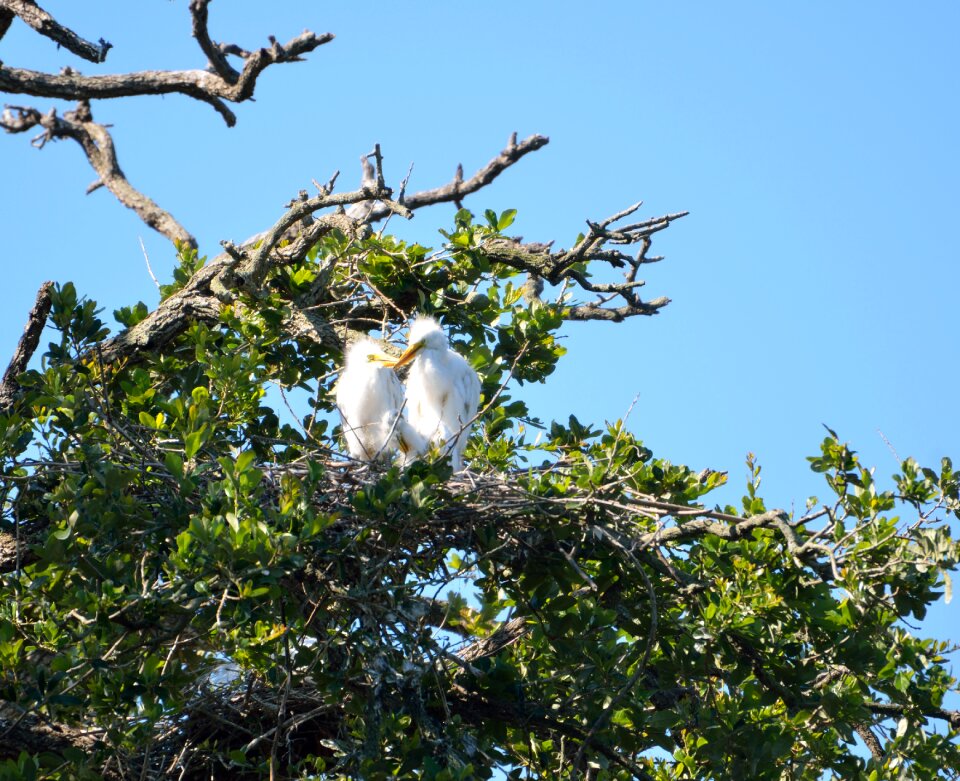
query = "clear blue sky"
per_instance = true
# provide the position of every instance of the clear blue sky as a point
(815, 145)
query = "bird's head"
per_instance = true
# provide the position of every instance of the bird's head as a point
(425, 334)
(365, 351)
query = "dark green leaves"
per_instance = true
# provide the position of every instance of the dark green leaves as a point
(191, 541)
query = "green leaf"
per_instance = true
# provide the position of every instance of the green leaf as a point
(194, 441)
(244, 460)
(173, 463)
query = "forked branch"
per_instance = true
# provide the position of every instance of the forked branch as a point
(243, 267)
(458, 188)
(213, 88)
(97, 144)
(567, 266)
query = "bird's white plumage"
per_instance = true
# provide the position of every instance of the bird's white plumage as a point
(369, 398)
(443, 390)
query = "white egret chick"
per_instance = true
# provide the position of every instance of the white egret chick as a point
(403, 437)
(443, 390)
(369, 398)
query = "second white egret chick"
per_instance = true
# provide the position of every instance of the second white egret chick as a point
(443, 390)
(370, 399)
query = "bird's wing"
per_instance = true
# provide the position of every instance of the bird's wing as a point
(467, 386)
(393, 390)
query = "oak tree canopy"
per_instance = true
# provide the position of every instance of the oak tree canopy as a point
(198, 582)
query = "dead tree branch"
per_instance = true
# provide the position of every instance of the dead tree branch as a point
(97, 144)
(215, 54)
(46, 25)
(506, 635)
(26, 346)
(6, 19)
(202, 85)
(238, 268)
(244, 267)
(215, 86)
(457, 189)
(566, 265)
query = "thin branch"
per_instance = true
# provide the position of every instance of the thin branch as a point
(146, 259)
(475, 708)
(455, 190)
(46, 25)
(215, 55)
(97, 144)
(242, 268)
(889, 709)
(641, 668)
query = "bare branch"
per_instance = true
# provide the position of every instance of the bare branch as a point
(594, 311)
(215, 55)
(457, 189)
(202, 85)
(505, 635)
(889, 709)
(46, 25)
(542, 262)
(243, 268)
(98, 146)
(6, 19)
(864, 731)
(26, 346)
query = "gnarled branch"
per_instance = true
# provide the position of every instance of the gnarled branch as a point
(457, 189)
(98, 146)
(541, 262)
(6, 19)
(46, 25)
(26, 346)
(244, 266)
(202, 85)
(215, 54)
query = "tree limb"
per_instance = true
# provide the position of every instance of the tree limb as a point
(97, 144)
(244, 266)
(888, 709)
(541, 262)
(864, 731)
(6, 19)
(239, 268)
(215, 55)
(26, 346)
(30, 734)
(457, 189)
(202, 85)
(505, 635)
(46, 25)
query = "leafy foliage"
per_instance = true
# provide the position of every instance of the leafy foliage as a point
(203, 582)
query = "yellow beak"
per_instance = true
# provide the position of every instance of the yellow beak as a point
(408, 355)
(382, 358)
